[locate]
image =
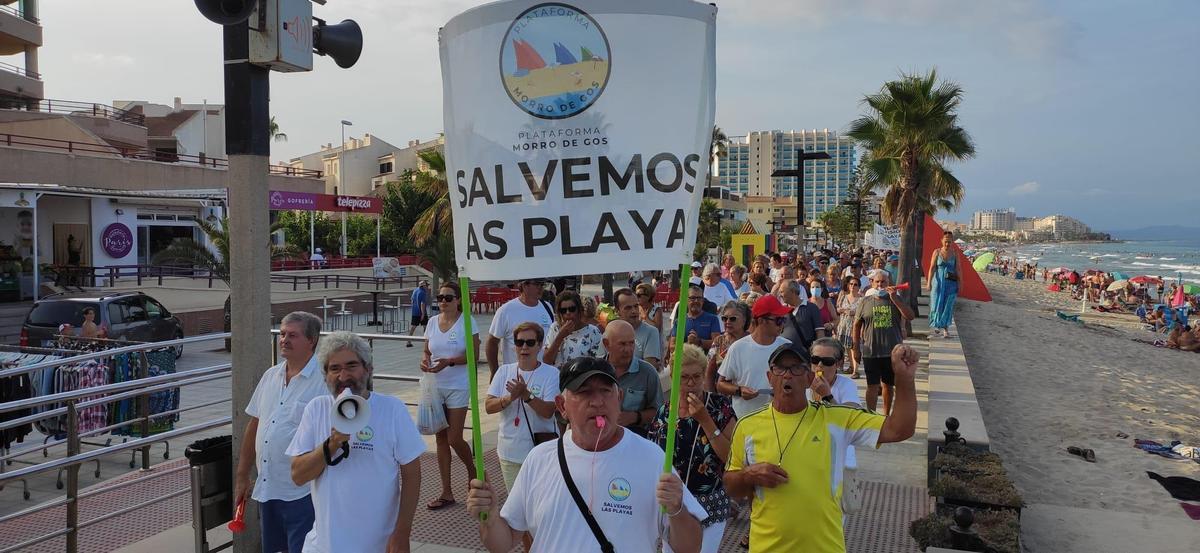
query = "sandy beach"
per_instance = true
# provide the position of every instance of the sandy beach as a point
(1044, 384)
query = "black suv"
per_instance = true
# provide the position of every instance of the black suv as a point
(132, 316)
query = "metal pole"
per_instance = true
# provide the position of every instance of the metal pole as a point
(247, 89)
(36, 272)
(378, 220)
(312, 233)
(72, 479)
(342, 183)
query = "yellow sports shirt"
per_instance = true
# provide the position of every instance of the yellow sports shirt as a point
(805, 514)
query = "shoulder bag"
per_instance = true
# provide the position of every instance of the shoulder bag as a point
(537, 437)
(605, 545)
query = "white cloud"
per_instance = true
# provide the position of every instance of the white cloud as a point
(101, 59)
(1025, 189)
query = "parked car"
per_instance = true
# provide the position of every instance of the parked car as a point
(131, 316)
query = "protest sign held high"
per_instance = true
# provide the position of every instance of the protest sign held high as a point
(570, 149)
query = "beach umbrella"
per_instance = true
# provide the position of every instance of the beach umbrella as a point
(1118, 285)
(982, 261)
(1060, 270)
(1119, 275)
(1190, 289)
(1145, 279)
(960, 241)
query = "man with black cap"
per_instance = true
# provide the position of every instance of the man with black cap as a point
(788, 455)
(598, 483)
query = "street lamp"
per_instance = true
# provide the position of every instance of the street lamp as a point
(342, 179)
(858, 204)
(798, 172)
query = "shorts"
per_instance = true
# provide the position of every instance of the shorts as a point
(509, 469)
(418, 320)
(285, 524)
(877, 369)
(455, 399)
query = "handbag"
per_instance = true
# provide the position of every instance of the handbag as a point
(605, 545)
(537, 437)
(852, 491)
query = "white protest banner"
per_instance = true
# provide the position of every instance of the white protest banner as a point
(577, 134)
(886, 238)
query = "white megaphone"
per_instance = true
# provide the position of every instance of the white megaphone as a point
(350, 414)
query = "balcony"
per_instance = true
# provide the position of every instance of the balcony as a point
(16, 81)
(18, 30)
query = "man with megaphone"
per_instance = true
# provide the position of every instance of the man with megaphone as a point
(360, 451)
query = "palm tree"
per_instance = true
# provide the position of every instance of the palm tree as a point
(718, 146)
(190, 253)
(273, 131)
(910, 131)
(432, 182)
(439, 252)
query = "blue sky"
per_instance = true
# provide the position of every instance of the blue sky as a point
(1087, 108)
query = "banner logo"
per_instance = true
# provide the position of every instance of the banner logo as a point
(554, 62)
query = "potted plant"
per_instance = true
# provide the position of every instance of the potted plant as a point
(975, 479)
(992, 532)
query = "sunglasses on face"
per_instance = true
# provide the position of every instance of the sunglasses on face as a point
(525, 343)
(691, 377)
(447, 297)
(564, 309)
(695, 298)
(779, 321)
(827, 361)
(729, 319)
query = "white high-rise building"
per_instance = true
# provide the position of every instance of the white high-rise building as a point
(751, 159)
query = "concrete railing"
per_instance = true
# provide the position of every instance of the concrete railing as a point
(952, 394)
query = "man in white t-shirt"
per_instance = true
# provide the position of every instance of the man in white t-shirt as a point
(743, 373)
(617, 473)
(527, 307)
(647, 339)
(317, 259)
(285, 510)
(716, 289)
(364, 487)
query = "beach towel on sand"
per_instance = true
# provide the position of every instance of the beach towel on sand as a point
(1180, 487)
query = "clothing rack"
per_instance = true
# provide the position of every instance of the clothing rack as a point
(18, 387)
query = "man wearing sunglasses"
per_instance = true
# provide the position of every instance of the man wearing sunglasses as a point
(742, 373)
(527, 307)
(788, 455)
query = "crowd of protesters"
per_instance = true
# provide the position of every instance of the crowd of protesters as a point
(768, 418)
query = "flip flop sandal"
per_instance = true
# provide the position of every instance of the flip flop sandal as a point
(439, 504)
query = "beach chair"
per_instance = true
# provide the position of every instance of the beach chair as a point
(1068, 317)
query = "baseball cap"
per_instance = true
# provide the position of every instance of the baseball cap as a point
(769, 305)
(786, 349)
(696, 265)
(695, 281)
(578, 370)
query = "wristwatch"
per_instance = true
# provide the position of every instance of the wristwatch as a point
(828, 398)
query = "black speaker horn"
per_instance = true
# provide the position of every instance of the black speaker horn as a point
(343, 42)
(226, 12)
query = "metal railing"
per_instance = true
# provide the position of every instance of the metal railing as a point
(19, 70)
(143, 154)
(109, 275)
(17, 12)
(87, 109)
(74, 401)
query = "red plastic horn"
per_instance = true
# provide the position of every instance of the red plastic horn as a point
(239, 518)
(902, 286)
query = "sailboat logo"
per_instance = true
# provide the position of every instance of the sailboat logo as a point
(576, 77)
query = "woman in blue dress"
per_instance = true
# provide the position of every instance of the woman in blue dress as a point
(942, 282)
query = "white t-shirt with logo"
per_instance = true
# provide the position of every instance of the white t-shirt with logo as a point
(511, 314)
(357, 501)
(746, 364)
(513, 440)
(619, 484)
(444, 345)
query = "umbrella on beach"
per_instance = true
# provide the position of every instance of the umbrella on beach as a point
(1191, 289)
(981, 262)
(1119, 275)
(1145, 279)
(1118, 285)
(1058, 270)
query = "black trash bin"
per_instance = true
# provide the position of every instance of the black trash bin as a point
(211, 461)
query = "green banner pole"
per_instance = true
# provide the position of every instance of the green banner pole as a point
(676, 361)
(464, 295)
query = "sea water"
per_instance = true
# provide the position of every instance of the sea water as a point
(1170, 259)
